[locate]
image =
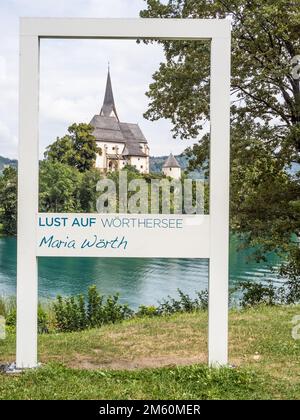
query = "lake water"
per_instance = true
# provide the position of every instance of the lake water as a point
(139, 281)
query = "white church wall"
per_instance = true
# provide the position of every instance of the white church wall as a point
(107, 148)
(99, 162)
(112, 148)
(140, 163)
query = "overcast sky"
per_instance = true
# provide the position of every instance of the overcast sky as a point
(73, 74)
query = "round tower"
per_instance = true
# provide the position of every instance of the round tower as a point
(172, 168)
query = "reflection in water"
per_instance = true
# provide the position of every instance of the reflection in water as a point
(138, 280)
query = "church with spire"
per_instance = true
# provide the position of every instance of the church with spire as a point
(120, 143)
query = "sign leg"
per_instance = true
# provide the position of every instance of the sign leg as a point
(219, 202)
(28, 170)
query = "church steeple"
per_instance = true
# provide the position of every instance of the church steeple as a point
(108, 108)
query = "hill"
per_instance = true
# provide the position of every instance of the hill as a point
(5, 161)
(156, 164)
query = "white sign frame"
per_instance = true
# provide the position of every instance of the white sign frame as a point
(31, 31)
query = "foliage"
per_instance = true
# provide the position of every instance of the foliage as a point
(147, 311)
(264, 41)
(289, 293)
(87, 190)
(8, 200)
(268, 293)
(78, 148)
(59, 187)
(75, 313)
(133, 174)
(265, 122)
(7, 305)
(8, 309)
(184, 303)
(101, 312)
(62, 188)
(4, 162)
(70, 313)
(43, 320)
(258, 293)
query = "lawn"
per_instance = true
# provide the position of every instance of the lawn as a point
(164, 358)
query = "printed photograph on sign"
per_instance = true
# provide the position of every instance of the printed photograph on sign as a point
(117, 177)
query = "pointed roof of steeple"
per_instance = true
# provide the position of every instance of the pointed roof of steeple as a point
(171, 162)
(109, 129)
(108, 108)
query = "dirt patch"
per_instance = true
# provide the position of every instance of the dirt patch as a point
(84, 362)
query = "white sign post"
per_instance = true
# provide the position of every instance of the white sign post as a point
(207, 236)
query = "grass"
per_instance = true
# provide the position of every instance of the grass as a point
(163, 358)
(7, 305)
(193, 382)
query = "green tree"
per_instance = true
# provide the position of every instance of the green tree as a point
(78, 148)
(265, 137)
(87, 191)
(8, 200)
(59, 187)
(60, 151)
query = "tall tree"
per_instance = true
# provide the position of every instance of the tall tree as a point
(59, 187)
(265, 39)
(265, 111)
(87, 192)
(78, 148)
(8, 200)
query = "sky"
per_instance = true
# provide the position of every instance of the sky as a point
(73, 74)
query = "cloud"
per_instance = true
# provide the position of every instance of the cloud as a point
(8, 141)
(73, 73)
(3, 69)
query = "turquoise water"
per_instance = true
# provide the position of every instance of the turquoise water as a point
(139, 281)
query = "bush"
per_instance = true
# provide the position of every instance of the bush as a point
(257, 294)
(184, 303)
(94, 307)
(75, 314)
(70, 314)
(43, 320)
(289, 293)
(149, 311)
(11, 319)
(269, 294)
(7, 305)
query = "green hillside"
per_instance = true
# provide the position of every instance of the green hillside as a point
(156, 163)
(5, 161)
